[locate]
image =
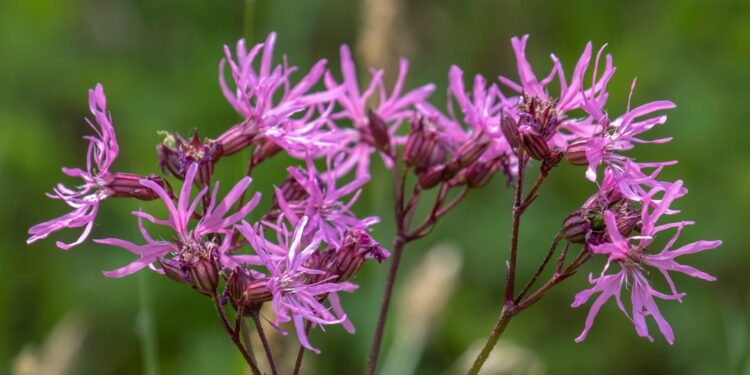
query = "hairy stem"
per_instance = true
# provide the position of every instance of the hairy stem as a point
(264, 340)
(517, 212)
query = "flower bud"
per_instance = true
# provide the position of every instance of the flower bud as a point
(204, 276)
(576, 152)
(379, 130)
(551, 161)
(238, 137)
(433, 176)
(472, 149)
(534, 144)
(175, 270)
(480, 173)
(575, 227)
(510, 130)
(422, 148)
(236, 286)
(128, 185)
(257, 292)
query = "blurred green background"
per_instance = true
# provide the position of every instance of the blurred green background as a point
(158, 62)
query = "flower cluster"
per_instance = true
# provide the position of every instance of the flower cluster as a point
(303, 251)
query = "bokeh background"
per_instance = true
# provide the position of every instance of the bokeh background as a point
(158, 62)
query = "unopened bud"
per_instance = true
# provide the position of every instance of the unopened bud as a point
(128, 185)
(257, 292)
(422, 148)
(378, 130)
(175, 270)
(480, 173)
(575, 227)
(533, 142)
(576, 152)
(266, 150)
(431, 177)
(236, 286)
(238, 137)
(510, 130)
(204, 276)
(472, 149)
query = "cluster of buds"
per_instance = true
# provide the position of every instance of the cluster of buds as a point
(537, 123)
(433, 162)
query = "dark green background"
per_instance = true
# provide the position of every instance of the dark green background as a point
(158, 62)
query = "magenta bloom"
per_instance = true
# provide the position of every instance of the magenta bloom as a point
(190, 244)
(85, 198)
(291, 116)
(296, 295)
(324, 203)
(621, 134)
(482, 111)
(572, 94)
(393, 108)
(631, 257)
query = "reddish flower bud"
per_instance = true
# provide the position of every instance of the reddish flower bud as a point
(510, 130)
(576, 152)
(480, 173)
(238, 137)
(433, 176)
(128, 185)
(256, 293)
(472, 149)
(378, 130)
(576, 227)
(204, 276)
(175, 270)
(534, 144)
(422, 147)
(236, 286)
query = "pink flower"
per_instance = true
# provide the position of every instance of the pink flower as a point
(85, 198)
(631, 256)
(190, 244)
(482, 111)
(293, 117)
(324, 203)
(297, 295)
(393, 108)
(621, 134)
(572, 94)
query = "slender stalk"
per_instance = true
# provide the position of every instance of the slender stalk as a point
(532, 193)
(264, 340)
(398, 248)
(235, 338)
(301, 351)
(539, 269)
(502, 322)
(517, 212)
